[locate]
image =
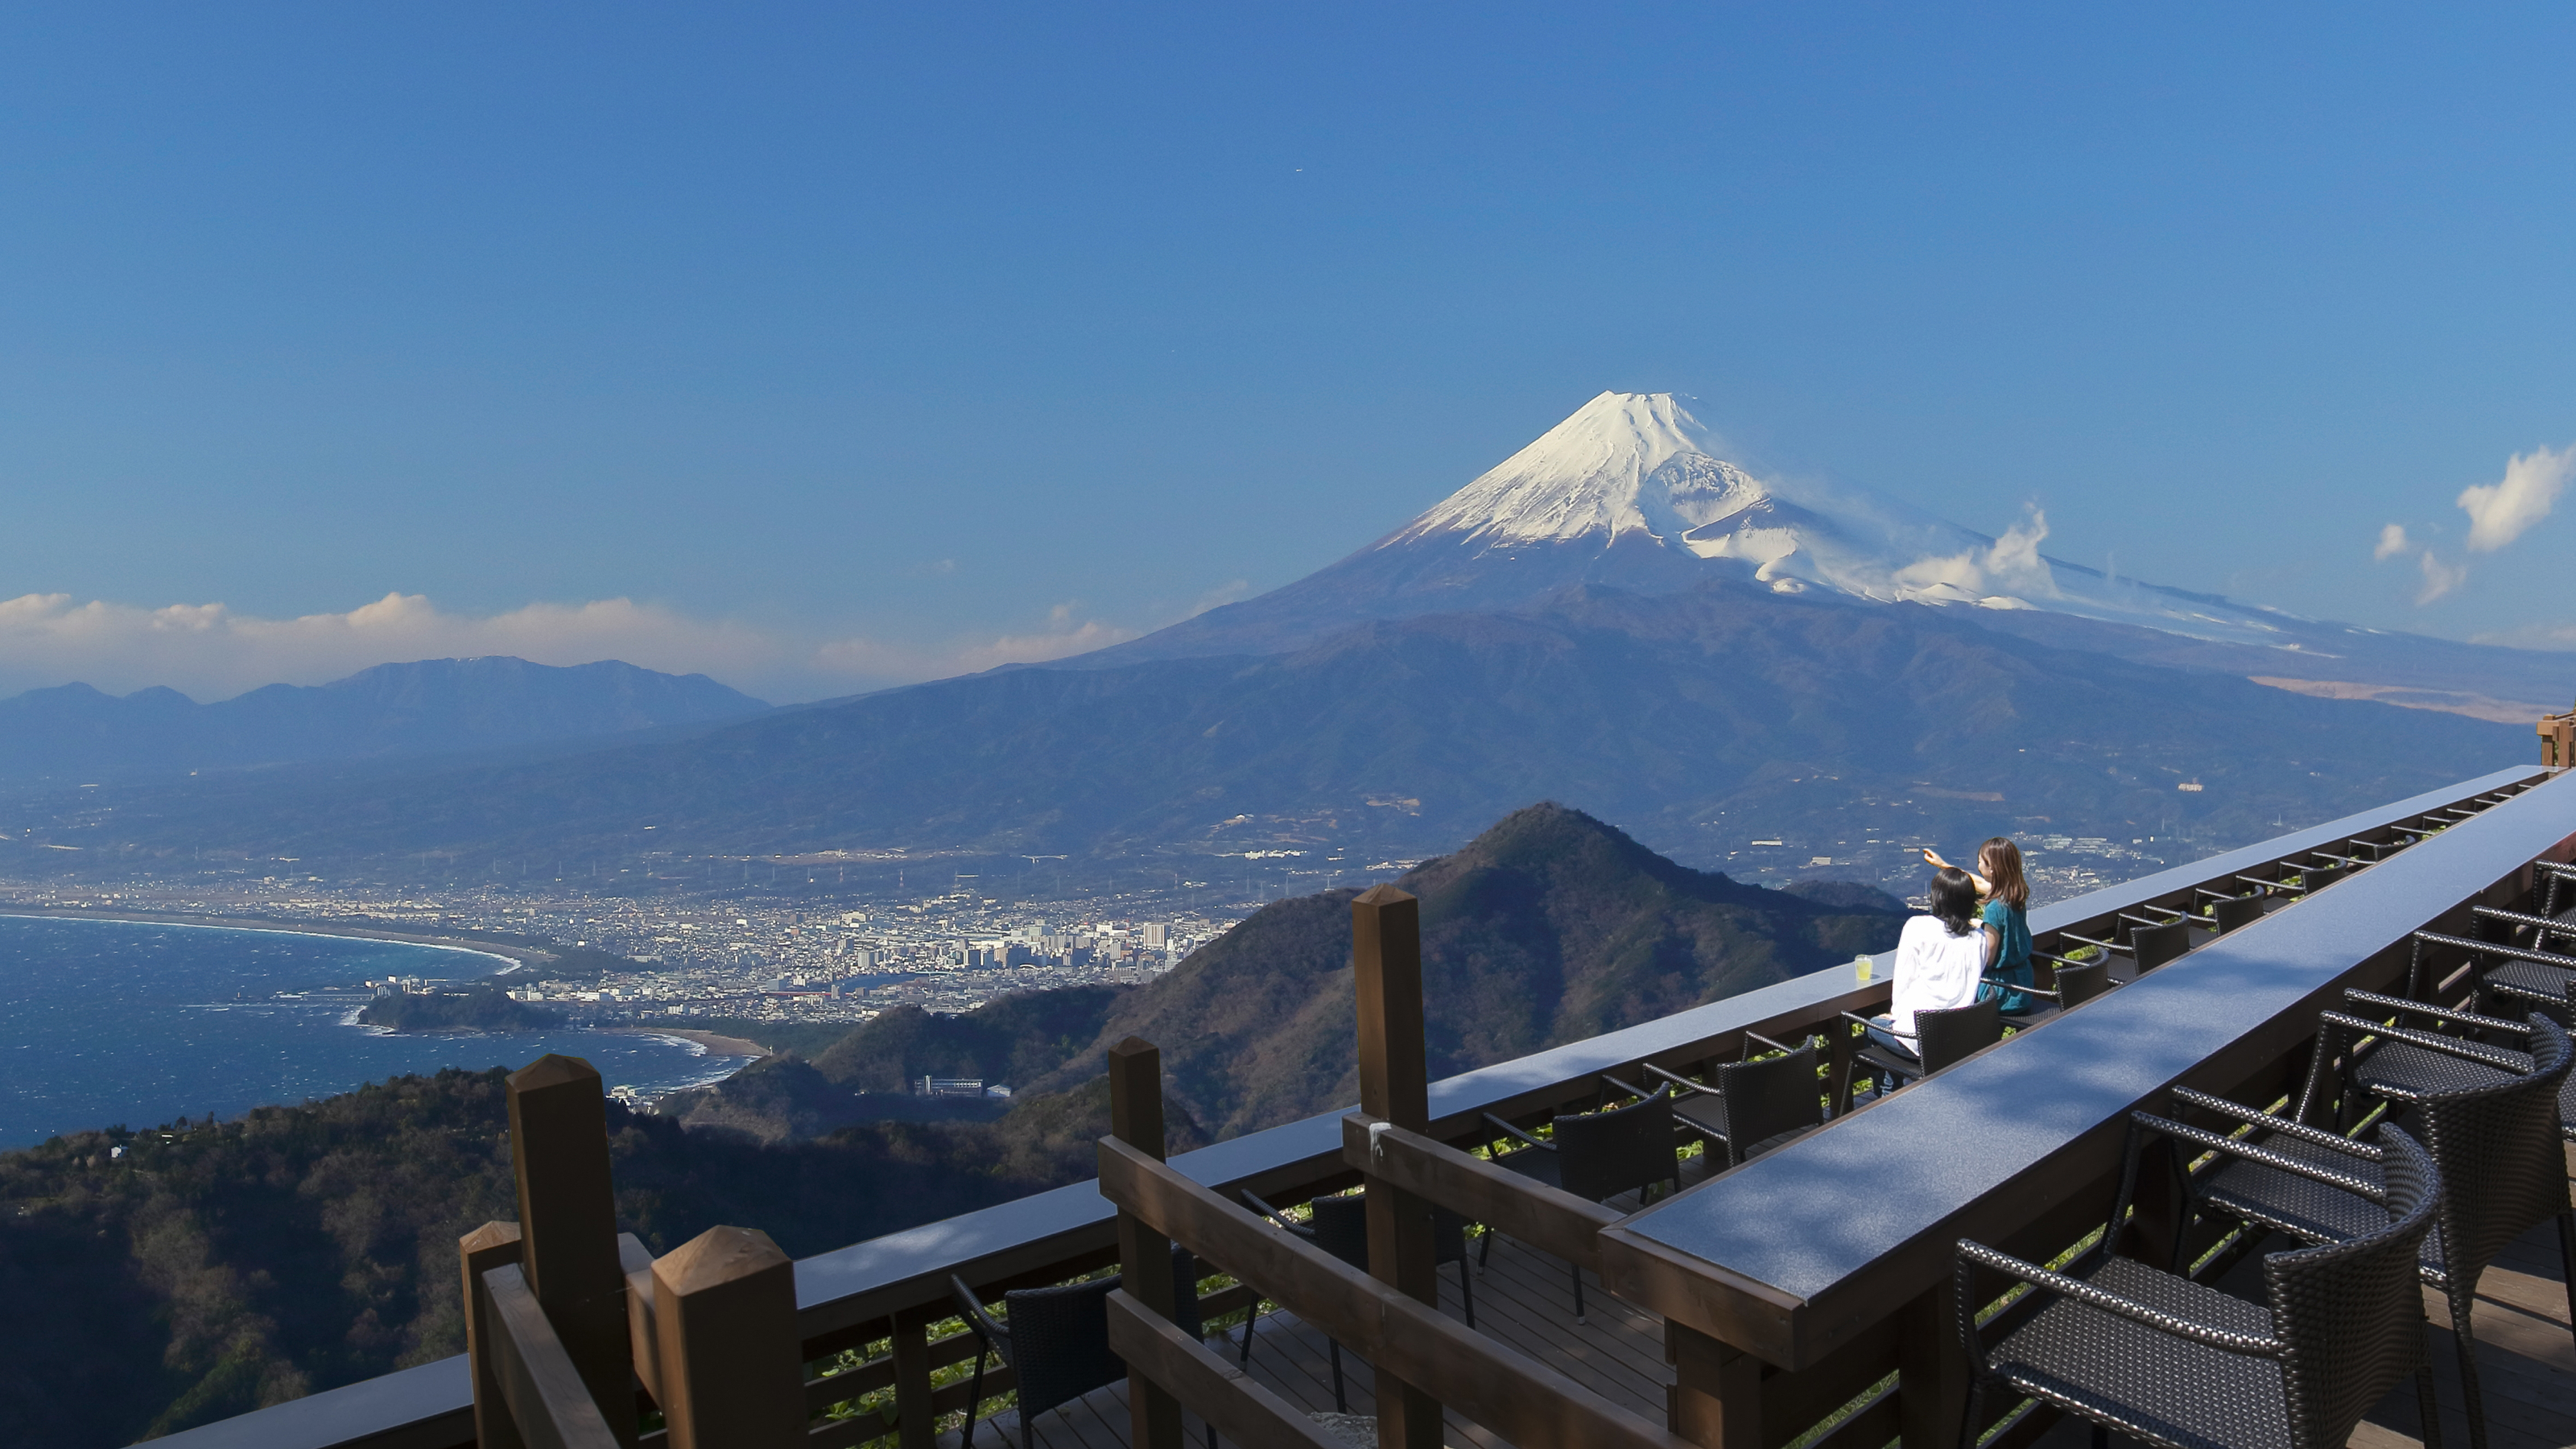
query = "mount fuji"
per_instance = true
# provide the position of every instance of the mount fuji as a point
(1631, 492)
(1769, 677)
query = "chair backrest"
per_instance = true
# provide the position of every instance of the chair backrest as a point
(2352, 1312)
(1059, 1344)
(1340, 1227)
(1943, 1037)
(2317, 880)
(2155, 945)
(2077, 985)
(2498, 1148)
(2235, 911)
(1603, 1154)
(1766, 1098)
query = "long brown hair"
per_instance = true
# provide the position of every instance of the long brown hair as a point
(1999, 861)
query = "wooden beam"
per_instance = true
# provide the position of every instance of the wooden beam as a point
(724, 1310)
(1218, 1391)
(479, 1252)
(568, 1225)
(916, 1421)
(1386, 959)
(1717, 1390)
(1524, 1401)
(550, 1403)
(1144, 1255)
(1546, 1218)
(1395, 1086)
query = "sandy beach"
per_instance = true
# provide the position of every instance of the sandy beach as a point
(523, 957)
(717, 1046)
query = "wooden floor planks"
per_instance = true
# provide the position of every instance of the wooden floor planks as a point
(1524, 1298)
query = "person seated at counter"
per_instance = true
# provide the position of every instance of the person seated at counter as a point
(1940, 960)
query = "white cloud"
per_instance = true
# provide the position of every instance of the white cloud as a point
(2439, 578)
(2011, 567)
(874, 660)
(1225, 593)
(2499, 513)
(210, 652)
(2392, 542)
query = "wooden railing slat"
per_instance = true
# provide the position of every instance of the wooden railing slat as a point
(1522, 1400)
(548, 1402)
(1546, 1218)
(1217, 1391)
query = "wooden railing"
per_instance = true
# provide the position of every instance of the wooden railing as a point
(862, 1319)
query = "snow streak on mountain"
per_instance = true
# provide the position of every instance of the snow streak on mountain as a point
(1631, 468)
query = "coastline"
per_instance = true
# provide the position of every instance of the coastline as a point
(524, 958)
(716, 1045)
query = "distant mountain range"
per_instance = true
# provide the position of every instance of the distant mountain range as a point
(1615, 617)
(76, 734)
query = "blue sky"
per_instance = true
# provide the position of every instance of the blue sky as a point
(818, 347)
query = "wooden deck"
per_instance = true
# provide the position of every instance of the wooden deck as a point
(1524, 1298)
(2527, 1357)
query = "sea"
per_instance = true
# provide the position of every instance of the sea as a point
(117, 1022)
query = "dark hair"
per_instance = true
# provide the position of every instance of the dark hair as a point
(1954, 899)
(1999, 861)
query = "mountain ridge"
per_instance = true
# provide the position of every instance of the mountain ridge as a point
(427, 706)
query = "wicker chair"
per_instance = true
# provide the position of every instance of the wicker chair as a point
(2496, 1142)
(2077, 983)
(1940, 1039)
(2400, 1070)
(2173, 1362)
(1339, 1226)
(1057, 1341)
(1596, 1155)
(1748, 1106)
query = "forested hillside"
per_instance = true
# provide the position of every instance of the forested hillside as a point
(215, 1267)
(210, 1268)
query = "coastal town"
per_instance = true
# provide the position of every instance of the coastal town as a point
(666, 961)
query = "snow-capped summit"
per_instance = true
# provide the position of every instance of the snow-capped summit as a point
(1632, 469)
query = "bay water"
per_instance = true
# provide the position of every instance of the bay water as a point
(111, 1022)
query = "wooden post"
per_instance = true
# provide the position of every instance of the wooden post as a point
(478, 1252)
(568, 1225)
(916, 1427)
(1931, 1368)
(1144, 1256)
(1717, 1390)
(1395, 1086)
(724, 1318)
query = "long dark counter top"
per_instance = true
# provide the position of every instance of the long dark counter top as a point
(1778, 1237)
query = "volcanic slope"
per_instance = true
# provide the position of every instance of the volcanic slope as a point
(1547, 928)
(1632, 492)
(1701, 719)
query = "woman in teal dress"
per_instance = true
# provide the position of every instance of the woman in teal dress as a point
(2006, 918)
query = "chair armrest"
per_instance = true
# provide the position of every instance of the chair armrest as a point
(2021, 986)
(2129, 1308)
(1865, 1021)
(1768, 1042)
(1516, 1132)
(2372, 999)
(2252, 1117)
(2500, 1058)
(2238, 1147)
(1637, 1092)
(1685, 1083)
(973, 1311)
(2053, 959)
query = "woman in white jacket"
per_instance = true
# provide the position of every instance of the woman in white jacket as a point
(1940, 960)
